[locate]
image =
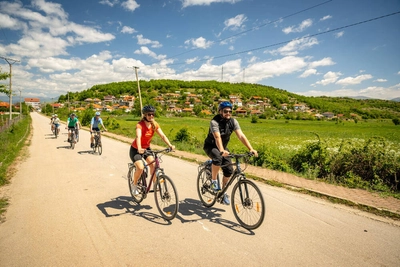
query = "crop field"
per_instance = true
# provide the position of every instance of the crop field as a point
(282, 136)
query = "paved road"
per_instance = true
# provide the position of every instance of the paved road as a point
(72, 208)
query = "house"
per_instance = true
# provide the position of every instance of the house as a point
(33, 102)
(328, 115)
(4, 105)
(109, 99)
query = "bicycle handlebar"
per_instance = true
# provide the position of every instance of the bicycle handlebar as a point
(150, 152)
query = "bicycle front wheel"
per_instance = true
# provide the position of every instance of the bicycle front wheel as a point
(206, 194)
(72, 141)
(99, 148)
(137, 198)
(248, 204)
(166, 197)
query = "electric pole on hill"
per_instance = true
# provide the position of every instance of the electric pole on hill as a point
(10, 61)
(140, 95)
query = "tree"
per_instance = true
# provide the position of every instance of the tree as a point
(3, 87)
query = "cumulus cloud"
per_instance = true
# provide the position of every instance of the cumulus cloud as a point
(200, 42)
(191, 60)
(356, 80)
(186, 3)
(144, 41)
(127, 29)
(109, 2)
(308, 73)
(130, 5)
(380, 80)
(329, 77)
(300, 28)
(294, 46)
(146, 51)
(236, 22)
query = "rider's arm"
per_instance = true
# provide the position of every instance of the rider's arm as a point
(104, 127)
(245, 141)
(165, 138)
(139, 140)
(91, 124)
(220, 146)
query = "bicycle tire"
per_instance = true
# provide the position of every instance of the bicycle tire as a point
(206, 194)
(55, 132)
(99, 148)
(166, 197)
(94, 146)
(136, 198)
(251, 211)
(72, 141)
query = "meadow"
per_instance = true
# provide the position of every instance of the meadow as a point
(283, 136)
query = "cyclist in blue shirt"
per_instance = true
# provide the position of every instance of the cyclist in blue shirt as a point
(94, 127)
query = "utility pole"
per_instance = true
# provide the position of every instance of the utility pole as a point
(222, 74)
(52, 103)
(10, 61)
(243, 74)
(68, 104)
(20, 104)
(140, 95)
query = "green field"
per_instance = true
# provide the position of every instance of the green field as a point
(285, 137)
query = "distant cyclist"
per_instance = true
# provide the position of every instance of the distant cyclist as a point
(72, 125)
(94, 127)
(52, 122)
(216, 142)
(56, 123)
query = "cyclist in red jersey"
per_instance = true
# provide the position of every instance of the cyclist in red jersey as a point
(145, 130)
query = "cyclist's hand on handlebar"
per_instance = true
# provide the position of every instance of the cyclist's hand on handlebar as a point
(172, 148)
(141, 151)
(254, 152)
(224, 153)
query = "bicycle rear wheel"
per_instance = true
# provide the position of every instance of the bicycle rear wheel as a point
(206, 194)
(141, 188)
(248, 204)
(166, 197)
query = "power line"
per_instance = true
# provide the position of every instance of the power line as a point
(255, 28)
(305, 37)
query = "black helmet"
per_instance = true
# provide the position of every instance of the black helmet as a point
(148, 108)
(224, 104)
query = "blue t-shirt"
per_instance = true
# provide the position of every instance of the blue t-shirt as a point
(95, 123)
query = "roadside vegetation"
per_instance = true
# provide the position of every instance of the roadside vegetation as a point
(12, 140)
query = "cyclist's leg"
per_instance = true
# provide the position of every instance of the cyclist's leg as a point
(137, 160)
(216, 157)
(149, 159)
(227, 170)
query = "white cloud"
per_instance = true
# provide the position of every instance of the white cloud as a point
(127, 29)
(308, 73)
(339, 34)
(109, 2)
(130, 5)
(327, 61)
(326, 17)
(329, 77)
(146, 51)
(191, 60)
(294, 46)
(380, 80)
(144, 41)
(236, 22)
(357, 80)
(303, 25)
(186, 3)
(199, 43)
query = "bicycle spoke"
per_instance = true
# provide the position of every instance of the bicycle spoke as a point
(206, 194)
(248, 204)
(166, 197)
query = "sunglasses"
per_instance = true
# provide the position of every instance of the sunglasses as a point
(150, 114)
(227, 111)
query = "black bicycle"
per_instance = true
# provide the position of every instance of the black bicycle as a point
(72, 139)
(97, 142)
(165, 194)
(247, 201)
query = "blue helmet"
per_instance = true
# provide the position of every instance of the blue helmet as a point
(224, 104)
(97, 113)
(148, 108)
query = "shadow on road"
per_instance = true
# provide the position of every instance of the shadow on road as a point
(189, 207)
(126, 205)
(87, 152)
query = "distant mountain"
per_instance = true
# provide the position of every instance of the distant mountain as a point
(397, 99)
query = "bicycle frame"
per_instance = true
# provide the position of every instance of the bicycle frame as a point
(237, 173)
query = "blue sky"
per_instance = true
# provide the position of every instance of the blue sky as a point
(308, 47)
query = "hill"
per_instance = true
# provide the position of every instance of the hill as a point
(212, 91)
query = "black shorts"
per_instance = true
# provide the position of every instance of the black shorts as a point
(135, 156)
(218, 160)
